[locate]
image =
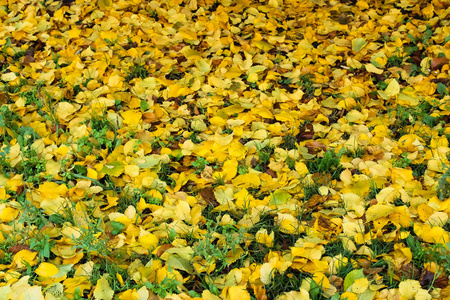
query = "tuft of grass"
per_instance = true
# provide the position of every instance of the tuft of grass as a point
(307, 85)
(137, 71)
(264, 155)
(290, 280)
(199, 164)
(289, 142)
(355, 153)
(164, 174)
(132, 197)
(329, 163)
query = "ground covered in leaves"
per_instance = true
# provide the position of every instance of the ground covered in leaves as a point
(224, 150)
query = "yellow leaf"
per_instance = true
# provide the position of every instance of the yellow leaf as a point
(372, 69)
(229, 169)
(149, 241)
(207, 295)
(360, 285)
(263, 237)
(431, 234)
(132, 171)
(8, 76)
(238, 293)
(129, 295)
(7, 214)
(65, 110)
(47, 270)
(104, 4)
(263, 112)
(102, 290)
(401, 176)
(23, 258)
(358, 44)
(131, 117)
(349, 296)
(408, 288)
(115, 168)
(247, 180)
(378, 211)
(22, 290)
(202, 66)
(321, 280)
(393, 88)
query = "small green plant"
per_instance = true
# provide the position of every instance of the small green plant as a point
(402, 161)
(356, 152)
(307, 85)
(98, 138)
(242, 169)
(264, 155)
(382, 85)
(373, 191)
(117, 227)
(394, 61)
(310, 190)
(131, 197)
(165, 287)
(31, 97)
(216, 251)
(8, 119)
(31, 215)
(285, 282)
(42, 244)
(227, 131)
(199, 164)
(443, 187)
(194, 137)
(418, 169)
(329, 163)
(289, 142)
(164, 174)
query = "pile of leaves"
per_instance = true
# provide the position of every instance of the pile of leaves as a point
(228, 149)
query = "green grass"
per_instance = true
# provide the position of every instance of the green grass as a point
(137, 71)
(329, 163)
(264, 154)
(289, 142)
(131, 197)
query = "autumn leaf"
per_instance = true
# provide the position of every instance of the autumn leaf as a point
(224, 149)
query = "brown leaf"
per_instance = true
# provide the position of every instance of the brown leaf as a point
(306, 132)
(315, 147)
(3, 98)
(315, 202)
(27, 59)
(208, 195)
(254, 162)
(428, 279)
(163, 249)
(150, 117)
(271, 173)
(438, 62)
(337, 281)
(417, 57)
(441, 281)
(409, 271)
(16, 248)
(365, 263)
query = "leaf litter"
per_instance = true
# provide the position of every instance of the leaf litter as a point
(224, 149)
